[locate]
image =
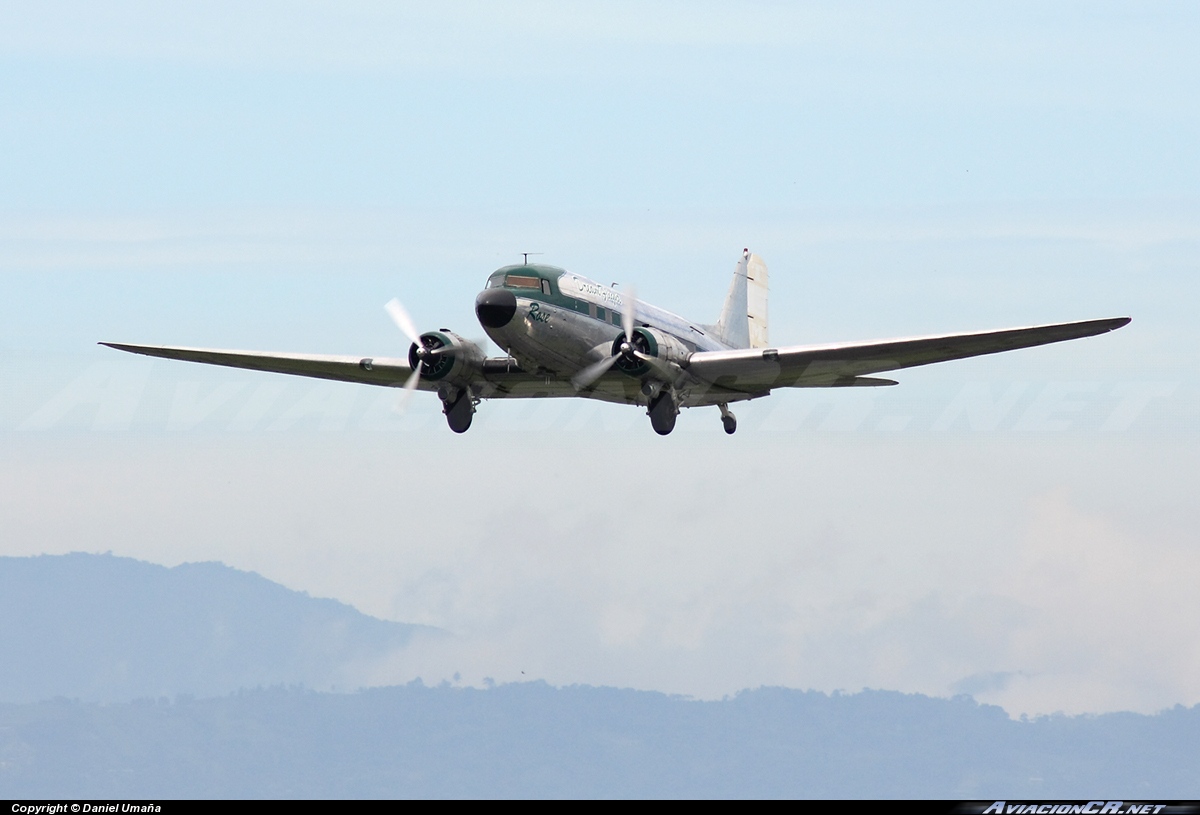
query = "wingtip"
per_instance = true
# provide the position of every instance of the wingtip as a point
(121, 346)
(1106, 324)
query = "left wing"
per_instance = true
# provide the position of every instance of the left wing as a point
(387, 371)
(835, 365)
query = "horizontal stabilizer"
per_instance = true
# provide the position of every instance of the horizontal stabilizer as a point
(863, 382)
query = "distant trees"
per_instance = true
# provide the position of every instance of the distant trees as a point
(532, 740)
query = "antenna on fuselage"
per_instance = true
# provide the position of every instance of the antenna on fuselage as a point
(527, 254)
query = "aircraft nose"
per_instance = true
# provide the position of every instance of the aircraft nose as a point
(495, 307)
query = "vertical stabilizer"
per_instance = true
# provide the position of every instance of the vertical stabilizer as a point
(743, 322)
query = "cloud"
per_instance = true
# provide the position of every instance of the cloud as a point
(1109, 618)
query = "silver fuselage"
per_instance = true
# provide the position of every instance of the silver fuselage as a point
(564, 321)
(577, 322)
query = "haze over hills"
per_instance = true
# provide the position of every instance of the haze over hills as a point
(104, 628)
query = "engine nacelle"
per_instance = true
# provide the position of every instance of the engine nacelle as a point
(445, 356)
(651, 343)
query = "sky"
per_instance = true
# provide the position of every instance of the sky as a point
(1019, 528)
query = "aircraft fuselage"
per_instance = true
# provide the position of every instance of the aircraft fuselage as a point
(549, 319)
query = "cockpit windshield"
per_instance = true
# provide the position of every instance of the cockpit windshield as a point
(519, 281)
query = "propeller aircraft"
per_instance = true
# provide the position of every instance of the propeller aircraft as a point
(565, 335)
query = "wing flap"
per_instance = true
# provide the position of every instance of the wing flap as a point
(383, 371)
(824, 365)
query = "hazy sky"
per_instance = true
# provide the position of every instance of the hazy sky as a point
(1018, 527)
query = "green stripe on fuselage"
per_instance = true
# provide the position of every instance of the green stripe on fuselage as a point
(555, 297)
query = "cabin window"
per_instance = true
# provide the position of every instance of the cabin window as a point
(518, 281)
(546, 287)
(600, 313)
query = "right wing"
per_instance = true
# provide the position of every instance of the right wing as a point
(836, 365)
(498, 379)
(387, 371)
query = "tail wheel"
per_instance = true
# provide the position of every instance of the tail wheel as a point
(728, 420)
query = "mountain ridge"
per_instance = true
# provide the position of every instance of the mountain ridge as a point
(109, 628)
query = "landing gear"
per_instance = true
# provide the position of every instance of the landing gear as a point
(459, 410)
(662, 412)
(728, 419)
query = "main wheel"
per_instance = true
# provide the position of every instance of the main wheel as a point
(459, 412)
(730, 423)
(663, 412)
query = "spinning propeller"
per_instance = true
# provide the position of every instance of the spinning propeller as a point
(625, 348)
(423, 351)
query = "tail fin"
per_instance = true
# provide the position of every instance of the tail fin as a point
(743, 322)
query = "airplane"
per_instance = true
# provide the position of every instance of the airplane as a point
(567, 336)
